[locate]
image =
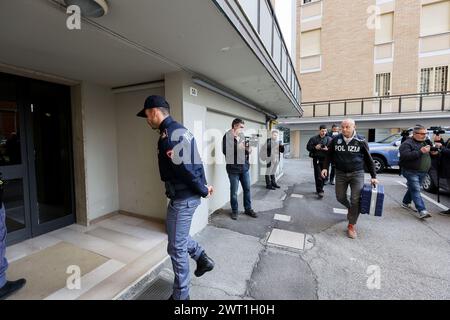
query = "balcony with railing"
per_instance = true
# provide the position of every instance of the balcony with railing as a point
(418, 103)
(258, 19)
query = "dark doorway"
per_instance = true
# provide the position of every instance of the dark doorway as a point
(35, 156)
(372, 133)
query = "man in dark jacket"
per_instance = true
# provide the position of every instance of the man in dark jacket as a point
(350, 152)
(445, 168)
(271, 153)
(318, 148)
(237, 154)
(415, 161)
(334, 133)
(181, 169)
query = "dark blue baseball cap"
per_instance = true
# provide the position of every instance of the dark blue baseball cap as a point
(153, 102)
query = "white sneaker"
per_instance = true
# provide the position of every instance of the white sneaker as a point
(424, 214)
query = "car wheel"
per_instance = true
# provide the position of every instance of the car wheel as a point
(379, 164)
(428, 184)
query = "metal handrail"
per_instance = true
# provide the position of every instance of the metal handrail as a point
(380, 99)
(282, 39)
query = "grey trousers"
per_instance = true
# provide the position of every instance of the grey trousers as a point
(356, 182)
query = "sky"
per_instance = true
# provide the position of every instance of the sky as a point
(283, 10)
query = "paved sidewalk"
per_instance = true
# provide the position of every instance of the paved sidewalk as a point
(410, 256)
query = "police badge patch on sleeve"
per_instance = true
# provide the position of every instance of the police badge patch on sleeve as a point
(164, 134)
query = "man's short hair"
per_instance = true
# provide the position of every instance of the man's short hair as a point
(237, 121)
(322, 127)
(349, 120)
(418, 128)
(165, 111)
(334, 126)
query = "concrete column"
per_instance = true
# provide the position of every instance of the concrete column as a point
(174, 93)
(79, 156)
(295, 144)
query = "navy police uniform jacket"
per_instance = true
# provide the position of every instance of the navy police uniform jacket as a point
(351, 157)
(180, 165)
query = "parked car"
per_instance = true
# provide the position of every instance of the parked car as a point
(430, 182)
(385, 153)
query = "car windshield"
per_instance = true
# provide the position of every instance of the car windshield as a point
(391, 139)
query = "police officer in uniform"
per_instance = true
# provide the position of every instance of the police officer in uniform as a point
(182, 172)
(7, 288)
(350, 153)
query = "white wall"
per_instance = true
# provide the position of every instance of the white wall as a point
(140, 188)
(194, 119)
(211, 104)
(215, 170)
(121, 150)
(100, 150)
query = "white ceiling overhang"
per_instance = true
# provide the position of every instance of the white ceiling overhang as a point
(139, 41)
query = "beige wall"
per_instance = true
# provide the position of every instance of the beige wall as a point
(349, 66)
(100, 150)
(347, 52)
(406, 58)
(120, 158)
(140, 188)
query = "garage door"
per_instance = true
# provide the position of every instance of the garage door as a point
(304, 138)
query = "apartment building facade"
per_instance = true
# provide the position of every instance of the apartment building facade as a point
(383, 62)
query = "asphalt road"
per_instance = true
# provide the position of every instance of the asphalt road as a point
(396, 256)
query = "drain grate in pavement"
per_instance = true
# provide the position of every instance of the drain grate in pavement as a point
(158, 289)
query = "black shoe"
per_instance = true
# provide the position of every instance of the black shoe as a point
(204, 264)
(251, 213)
(11, 287)
(320, 194)
(270, 187)
(332, 183)
(445, 213)
(171, 298)
(276, 185)
(234, 215)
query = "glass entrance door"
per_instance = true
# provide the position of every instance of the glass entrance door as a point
(13, 160)
(50, 140)
(35, 156)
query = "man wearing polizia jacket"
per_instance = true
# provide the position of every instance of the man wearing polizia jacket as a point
(350, 152)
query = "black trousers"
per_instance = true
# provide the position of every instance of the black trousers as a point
(332, 173)
(270, 178)
(318, 167)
